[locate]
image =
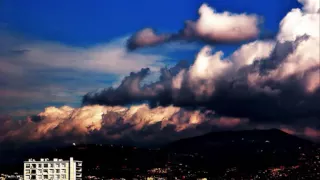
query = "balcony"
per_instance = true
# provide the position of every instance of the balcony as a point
(79, 164)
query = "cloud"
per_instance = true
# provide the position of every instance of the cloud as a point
(288, 130)
(210, 27)
(139, 123)
(264, 81)
(111, 57)
(147, 37)
(313, 133)
(307, 132)
(311, 6)
(37, 73)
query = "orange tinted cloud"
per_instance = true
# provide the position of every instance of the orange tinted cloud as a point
(288, 130)
(313, 133)
(110, 122)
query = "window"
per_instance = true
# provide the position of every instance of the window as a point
(57, 170)
(27, 171)
(63, 176)
(51, 177)
(57, 165)
(39, 165)
(45, 171)
(45, 165)
(51, 171)
(28, 177)
(33, 171)
(39, 176)
(51, 165)
(63, 165)
(57, 176)
(39, 171)
(34, 166)
(63, 171)
(28, 166)
(33, 177)
(45, 176)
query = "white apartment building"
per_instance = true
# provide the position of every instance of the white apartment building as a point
(56, 169)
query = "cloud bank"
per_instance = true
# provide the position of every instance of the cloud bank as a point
(211, 26)
(138, 123)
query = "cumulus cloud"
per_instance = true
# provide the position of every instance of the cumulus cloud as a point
(139, 123)
(311, 6)
(264, 80)
(211, 26)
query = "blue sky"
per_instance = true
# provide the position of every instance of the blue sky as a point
(58, 38)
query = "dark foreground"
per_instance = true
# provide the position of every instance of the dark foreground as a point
(254, 154)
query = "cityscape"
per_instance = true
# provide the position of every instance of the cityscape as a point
(111, 161)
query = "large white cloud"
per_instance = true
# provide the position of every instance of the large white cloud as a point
(222, 27)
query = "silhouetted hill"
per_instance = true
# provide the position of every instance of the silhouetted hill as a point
(249, 149)
(273, 137)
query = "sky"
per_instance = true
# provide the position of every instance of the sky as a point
(59, 58)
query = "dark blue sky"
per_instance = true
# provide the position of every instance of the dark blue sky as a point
(80, 22)
(60, 39)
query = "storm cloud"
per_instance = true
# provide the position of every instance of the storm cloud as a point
(265, 81)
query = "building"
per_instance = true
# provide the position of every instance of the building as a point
(56, 169)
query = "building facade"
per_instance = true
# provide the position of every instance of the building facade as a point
(56, 169)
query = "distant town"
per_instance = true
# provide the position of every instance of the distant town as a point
(267, 154)
(308, 168)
